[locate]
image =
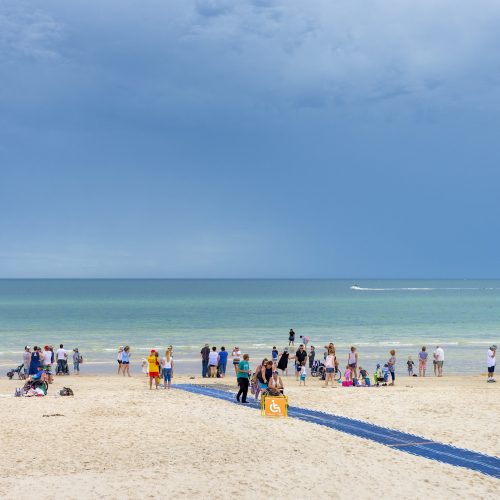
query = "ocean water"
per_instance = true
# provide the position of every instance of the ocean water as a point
(99, 315)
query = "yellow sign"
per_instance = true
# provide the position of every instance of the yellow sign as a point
(275, 406)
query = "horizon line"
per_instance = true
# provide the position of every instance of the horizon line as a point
(247, 278)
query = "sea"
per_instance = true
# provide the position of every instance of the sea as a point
(99, 315)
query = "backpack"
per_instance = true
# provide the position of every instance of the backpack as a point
(66, 391)
(80, 359)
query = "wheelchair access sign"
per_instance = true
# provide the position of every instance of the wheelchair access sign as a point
(275, 406)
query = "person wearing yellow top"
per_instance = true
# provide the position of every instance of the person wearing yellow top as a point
(154, 369)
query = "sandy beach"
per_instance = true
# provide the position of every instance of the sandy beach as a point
(116, 438)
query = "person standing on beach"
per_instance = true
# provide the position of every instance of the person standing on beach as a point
(47, 363)
(205, 354)
(236, 354)
(492, 360)
(283, 362)
(352, 361)
(119, 356)
(62, 362)
(168, 368)
(77, 359)
(213, 362)
(36, 360)
(291, 337)
(312, 355)
(242, 377)
(27, 359)
(222, 361)
(391, 365)
(300, 360)
(274, 356)
(126, 361)
(153, 369)
(439, 359)
(330, 367)
(422, 361)
(410, 363)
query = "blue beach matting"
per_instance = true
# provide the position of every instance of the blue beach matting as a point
(402, 441)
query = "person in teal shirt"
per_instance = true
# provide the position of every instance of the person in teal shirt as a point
(242, 376)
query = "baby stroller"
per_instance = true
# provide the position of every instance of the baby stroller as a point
(20, 373)
(62, 369)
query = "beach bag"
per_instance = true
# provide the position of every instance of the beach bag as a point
(18, 393)
(66, 391)
(347, 383)
(80, 359)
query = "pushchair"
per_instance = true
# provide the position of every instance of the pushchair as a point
(62, 368)
(20, 373)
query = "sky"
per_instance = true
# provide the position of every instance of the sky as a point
(249, 138)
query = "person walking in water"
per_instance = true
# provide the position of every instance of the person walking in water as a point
(291, 337)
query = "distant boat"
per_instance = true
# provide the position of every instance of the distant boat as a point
(356, 287)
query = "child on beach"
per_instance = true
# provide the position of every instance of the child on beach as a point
(302, 375)
(364, 376)
(410, 365)
(274, 357)
(385, 373)
(378, 376)
(144, 367)
(347, 382)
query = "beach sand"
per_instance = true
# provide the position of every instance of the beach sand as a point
(117, 439)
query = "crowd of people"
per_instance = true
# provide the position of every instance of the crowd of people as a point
(267, 375)
(36, 360)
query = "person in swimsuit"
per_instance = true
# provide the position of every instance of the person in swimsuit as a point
(291, 337)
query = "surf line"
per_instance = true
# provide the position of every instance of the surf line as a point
(397, 440)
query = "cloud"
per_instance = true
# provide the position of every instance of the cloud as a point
(27, 32)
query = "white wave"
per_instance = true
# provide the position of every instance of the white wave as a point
(414, 289)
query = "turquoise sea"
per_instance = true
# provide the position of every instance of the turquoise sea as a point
(99, 315)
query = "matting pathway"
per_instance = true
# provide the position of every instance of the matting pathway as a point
(401, 441)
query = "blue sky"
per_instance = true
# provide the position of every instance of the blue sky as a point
(264, 138)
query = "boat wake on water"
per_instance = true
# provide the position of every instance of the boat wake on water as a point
(414, 289)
